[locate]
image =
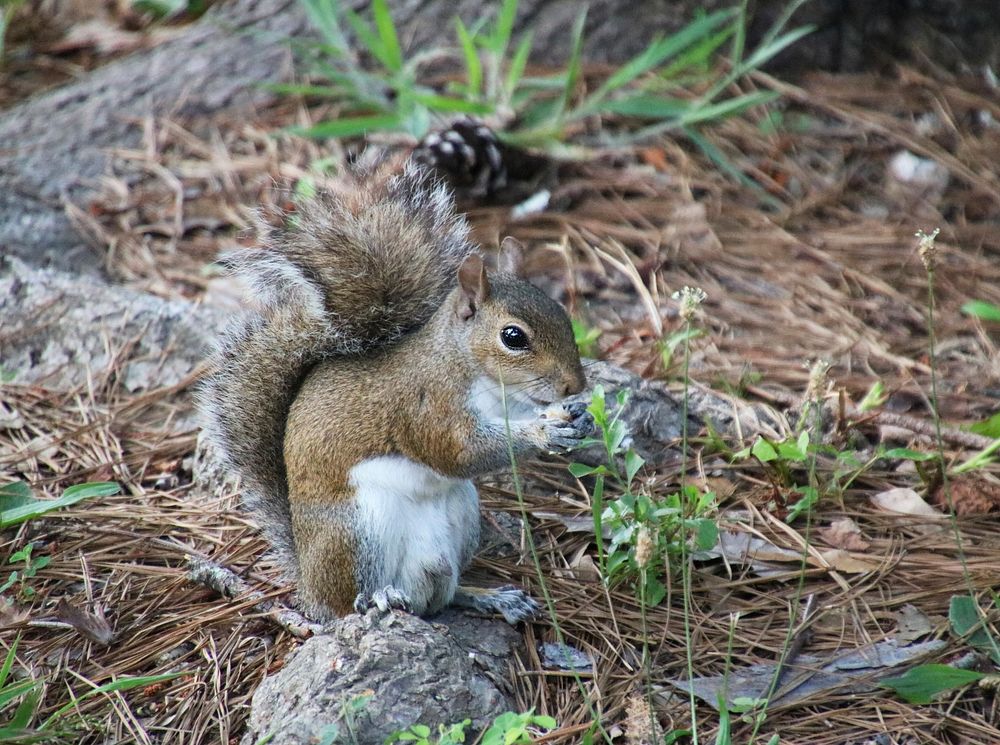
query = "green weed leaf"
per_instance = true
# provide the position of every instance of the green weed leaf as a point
(988, 427)
(982, 309)
(907, 454)
(38, 507)
(763, 451)
(964, 616)
(921, 684)
(351, 127)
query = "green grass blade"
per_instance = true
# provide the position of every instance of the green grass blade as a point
(368, 38)
(655, 55)
(115, 686)
(473, 65)
(387, 34)
(725, 165)
(765, 52)
(698, 55)
(27, 709)
(350, 127)
(739, 34)
(727, 108)
(517, 64)
(781, 22)
(8, 662)
(500, 38)
(982, 309)
(39, 507)
(323, 17)
(11, 692)
(645, 106)
(449, 105)
(573, 68)
(300, 89)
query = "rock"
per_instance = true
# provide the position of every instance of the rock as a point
(61, 331)
(653, 414)
(414, 671)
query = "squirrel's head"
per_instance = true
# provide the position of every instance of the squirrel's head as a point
(519, 335)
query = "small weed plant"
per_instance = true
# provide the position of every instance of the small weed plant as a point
(510, 728)
(646, 532)
(21, 578)
(393, 92)
(968, 621)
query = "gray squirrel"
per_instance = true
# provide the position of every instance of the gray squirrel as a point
(385, 368)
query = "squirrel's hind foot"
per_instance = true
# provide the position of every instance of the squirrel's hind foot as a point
(386, 599)
(513, 603)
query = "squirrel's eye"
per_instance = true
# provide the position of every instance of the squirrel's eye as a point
(513, 337)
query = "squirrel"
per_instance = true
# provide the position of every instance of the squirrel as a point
(384, 368)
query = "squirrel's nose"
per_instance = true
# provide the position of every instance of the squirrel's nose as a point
(573, 382)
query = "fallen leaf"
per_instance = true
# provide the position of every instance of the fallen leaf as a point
(808, 675)
(904, 501)
(585, 568)
(848, 563)
(970, 495)
(912, 623)
(11, 615)
(94, 625)
(846, 534)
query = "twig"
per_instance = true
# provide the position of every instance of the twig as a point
(892, 419)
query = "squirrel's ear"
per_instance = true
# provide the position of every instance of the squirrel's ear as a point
(511, 256)
(474, 288)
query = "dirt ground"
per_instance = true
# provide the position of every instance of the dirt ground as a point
(812, 256)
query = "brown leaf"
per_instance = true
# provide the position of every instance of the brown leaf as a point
(842, 561)
(11, 615)
(970, 495)
(846, 534)
(94, 625)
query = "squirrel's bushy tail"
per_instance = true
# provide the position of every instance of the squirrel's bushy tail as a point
(357, 268)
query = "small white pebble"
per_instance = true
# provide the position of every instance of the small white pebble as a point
(537, 202)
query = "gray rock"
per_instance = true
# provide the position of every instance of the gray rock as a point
(414, 671)
(653, 414)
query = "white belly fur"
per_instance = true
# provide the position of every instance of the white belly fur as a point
(425, 526)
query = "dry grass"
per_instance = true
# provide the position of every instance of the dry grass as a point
(827, 270)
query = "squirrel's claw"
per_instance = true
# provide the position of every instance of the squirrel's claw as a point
(386, 599)
(565, 435)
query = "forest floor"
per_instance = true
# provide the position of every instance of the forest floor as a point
(815, 260)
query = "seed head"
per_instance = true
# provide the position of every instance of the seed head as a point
(640, 726)
(818, 381)
(643, 547)
(689, 298)
(927, 249)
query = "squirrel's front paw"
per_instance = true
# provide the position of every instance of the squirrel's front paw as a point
(566, 425)
(385, 599)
